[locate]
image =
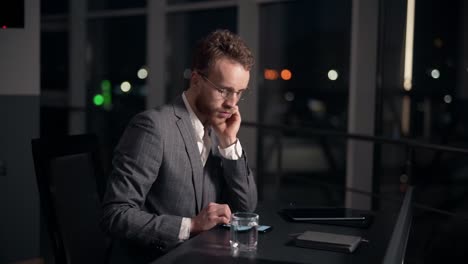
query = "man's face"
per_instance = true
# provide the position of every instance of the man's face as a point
(211, 102)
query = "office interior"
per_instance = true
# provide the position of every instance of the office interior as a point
(393, 70)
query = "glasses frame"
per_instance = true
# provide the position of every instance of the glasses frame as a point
(224, 92)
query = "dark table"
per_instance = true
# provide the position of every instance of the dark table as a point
(276, 246)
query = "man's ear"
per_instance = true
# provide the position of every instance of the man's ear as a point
(194, 82)
(194, 78)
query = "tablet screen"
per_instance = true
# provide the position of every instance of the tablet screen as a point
(321, 214)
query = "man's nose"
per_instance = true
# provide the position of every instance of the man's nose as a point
(232, 100)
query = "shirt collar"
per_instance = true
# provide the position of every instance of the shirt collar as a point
(196, 123)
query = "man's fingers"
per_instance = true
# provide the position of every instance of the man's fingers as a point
(223, 210)
(223, 220)
(215, 211)
(235, 110)
(228, 212)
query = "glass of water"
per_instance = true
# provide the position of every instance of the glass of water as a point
(244, 233)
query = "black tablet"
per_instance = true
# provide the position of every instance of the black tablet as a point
(328, 215)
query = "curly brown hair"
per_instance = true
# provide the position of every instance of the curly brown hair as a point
(218, 44)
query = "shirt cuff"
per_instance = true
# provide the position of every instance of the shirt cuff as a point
(233, 152)
(184, 232)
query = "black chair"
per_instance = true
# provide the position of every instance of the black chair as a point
(71, 185)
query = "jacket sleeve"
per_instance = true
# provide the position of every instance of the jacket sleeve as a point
(136, 164)
(241, 191)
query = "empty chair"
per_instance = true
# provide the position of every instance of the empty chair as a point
(70, 189)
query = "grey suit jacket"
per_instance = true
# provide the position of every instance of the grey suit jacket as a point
(158, 178)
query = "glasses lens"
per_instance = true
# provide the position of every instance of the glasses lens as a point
(226, 94)
(230, 94)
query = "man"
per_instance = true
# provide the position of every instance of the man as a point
(180, 169)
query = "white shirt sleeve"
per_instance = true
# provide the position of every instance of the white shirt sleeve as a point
(184, 232)
(233, 152)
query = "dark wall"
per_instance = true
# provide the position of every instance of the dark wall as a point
(19, 112)
(19, 223)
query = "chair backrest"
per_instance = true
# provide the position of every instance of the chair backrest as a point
(69, 177)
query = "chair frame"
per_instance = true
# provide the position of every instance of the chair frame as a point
(45, 149)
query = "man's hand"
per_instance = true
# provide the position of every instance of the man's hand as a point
(210, 216)
(227, 131)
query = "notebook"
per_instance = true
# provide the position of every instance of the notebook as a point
(328, 241)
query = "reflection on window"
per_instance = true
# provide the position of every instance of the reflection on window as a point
(304, 53)
(116, 80)
(304, 64)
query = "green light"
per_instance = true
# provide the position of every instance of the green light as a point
(98, 100)
(105, 85)
(106, 94)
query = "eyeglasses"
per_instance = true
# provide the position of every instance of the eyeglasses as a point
(224, 92)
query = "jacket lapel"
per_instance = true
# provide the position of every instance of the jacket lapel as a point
(185, 128)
